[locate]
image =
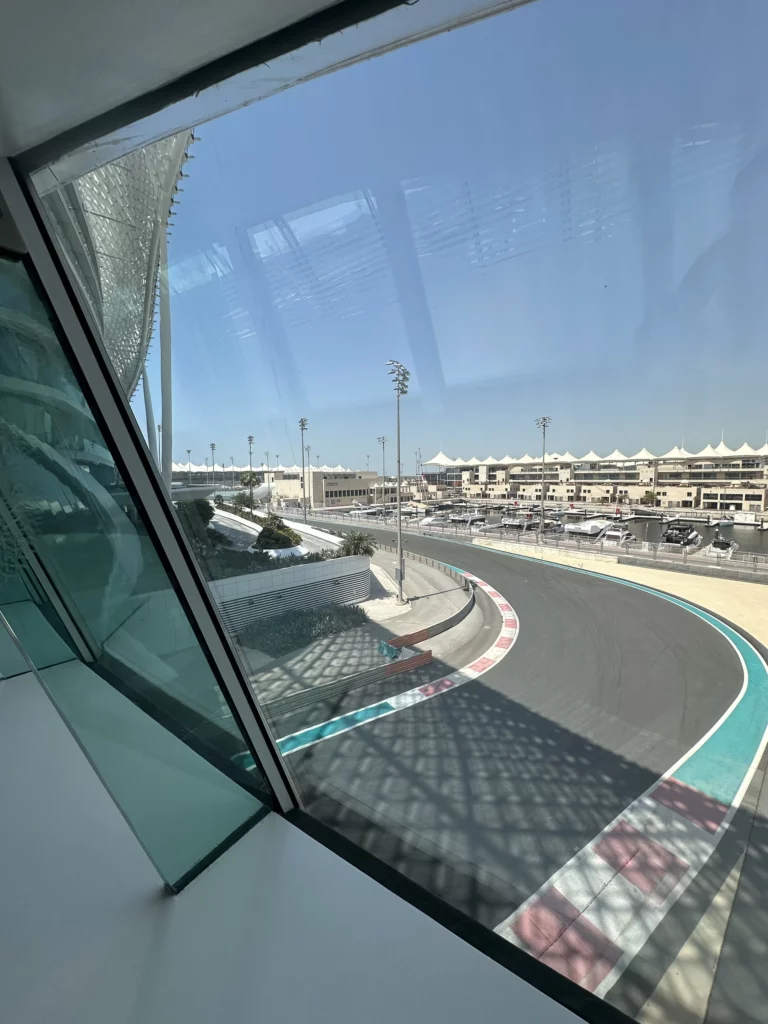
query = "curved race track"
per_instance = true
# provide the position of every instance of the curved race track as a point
(482, 793)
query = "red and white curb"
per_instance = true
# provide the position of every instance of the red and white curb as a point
(505, 640)
(501, 646)
(594, 915)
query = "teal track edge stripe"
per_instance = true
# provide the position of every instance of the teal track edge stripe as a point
(720, 765)
(315, 733)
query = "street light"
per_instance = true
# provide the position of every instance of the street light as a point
(189, 466)
(400, 377)
(266, 476)
(212, 446)
(250, 468)
(383, 442)
(303, 424)
(543, 422)
(308, 449)
(206, 471)
(232, 463)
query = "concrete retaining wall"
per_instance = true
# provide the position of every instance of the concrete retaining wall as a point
(282, 706)
(243, 599)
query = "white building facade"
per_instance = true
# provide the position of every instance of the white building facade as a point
(716, 478)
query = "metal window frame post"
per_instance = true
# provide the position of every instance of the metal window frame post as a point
(121, 432)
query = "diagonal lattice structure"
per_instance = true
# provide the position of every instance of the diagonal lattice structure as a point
(110, 225)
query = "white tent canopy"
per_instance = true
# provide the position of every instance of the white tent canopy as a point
(441, 459)
(643, 456)
(707, 453)
(746, 449)
(677, 453)
(723, 449)
(616, 456)
(591, 456)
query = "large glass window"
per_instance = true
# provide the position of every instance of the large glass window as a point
(83, 588)
(555, 220)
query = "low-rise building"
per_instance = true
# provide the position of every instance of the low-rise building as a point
(717, 478)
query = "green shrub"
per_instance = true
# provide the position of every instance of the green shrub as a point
(281, 634)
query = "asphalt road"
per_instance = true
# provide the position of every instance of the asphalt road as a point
(483, 792)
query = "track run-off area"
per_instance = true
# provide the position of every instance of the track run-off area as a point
(581, 796)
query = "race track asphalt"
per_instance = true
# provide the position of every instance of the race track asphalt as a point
(483, 792)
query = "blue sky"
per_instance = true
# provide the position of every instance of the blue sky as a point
(560, 210)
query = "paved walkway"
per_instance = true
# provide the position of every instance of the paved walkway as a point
(432, 596)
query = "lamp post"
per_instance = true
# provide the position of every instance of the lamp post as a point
(206, 470)
(543, 422)
(212, 446)
(367, 463)
(189, 466)
(303, 424)
(266, 477)
(400, 377)
(250, 468)
(232, 464)
(383, 442)
(308, 449)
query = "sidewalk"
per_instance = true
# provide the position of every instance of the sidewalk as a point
(432, 596)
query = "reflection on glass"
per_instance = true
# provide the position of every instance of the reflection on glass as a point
(554, 218)
(126, 670)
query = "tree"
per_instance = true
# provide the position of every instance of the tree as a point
(240, 500)
(195, 515)
(649, 498)
(356, 542)
(250, 480)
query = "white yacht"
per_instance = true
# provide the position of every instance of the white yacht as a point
(616, 536)
(720, 521)
(587, 528)
(720, 548)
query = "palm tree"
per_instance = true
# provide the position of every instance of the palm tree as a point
(249, 479)
(358, 543)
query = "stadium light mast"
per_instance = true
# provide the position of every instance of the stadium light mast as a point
(250, 468)
(400, 377)
(303, 424)
(266, 477)
(308, 449)
(189, 466)
(542, 423)
(212, 446)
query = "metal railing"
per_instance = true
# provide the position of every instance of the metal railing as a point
(744, 566)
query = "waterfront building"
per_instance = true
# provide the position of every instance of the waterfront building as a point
(716, 478)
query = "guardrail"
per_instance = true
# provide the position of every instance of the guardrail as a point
(282, 706)
(744, 567)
